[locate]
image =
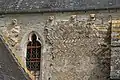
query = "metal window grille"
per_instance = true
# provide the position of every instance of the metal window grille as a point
(33, 55)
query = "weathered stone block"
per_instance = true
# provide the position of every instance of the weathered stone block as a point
(115, 35)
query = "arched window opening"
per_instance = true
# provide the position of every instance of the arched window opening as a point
(33, 54)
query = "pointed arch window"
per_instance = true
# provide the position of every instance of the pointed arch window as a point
(33, 55)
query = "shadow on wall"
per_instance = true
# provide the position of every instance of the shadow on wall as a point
(102, 68)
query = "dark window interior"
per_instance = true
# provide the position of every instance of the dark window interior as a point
(33, 55)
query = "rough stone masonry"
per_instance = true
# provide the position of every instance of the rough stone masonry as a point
(75, 46)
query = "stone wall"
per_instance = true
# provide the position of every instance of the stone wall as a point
(79, 51)
(115, 49)
(75, 46)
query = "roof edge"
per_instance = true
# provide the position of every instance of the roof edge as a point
(55, 11)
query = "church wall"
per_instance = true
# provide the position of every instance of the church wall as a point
(75, 46)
